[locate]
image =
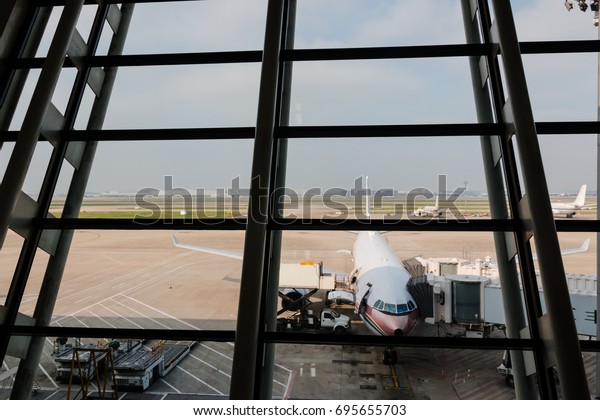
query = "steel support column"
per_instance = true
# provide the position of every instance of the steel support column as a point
(557, 328)
(56, 265)
(520, 212)
(13, 180)
(278, 181)
(492, 163)
(32, 124)
(250, 310)
(6, 9)
(20, 38)
(597, 15)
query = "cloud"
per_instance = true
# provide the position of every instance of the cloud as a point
(355, 23)
(224, 25)
(347, 92)
(185, 96)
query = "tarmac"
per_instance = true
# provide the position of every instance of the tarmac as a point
(138, 279)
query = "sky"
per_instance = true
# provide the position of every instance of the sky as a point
(416, 91)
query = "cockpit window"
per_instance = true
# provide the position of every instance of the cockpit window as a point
(389, 307)
(394, 309)
(403, 307)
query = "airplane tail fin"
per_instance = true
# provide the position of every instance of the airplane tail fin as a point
(437, 201)
(580, 200)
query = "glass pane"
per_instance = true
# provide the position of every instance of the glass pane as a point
(39, 162)
(405, 176)
(410, 91)
(219, 95)
(369, 277)
(49, 31)
(231, 25)
(86, 20)
(8, 261)
(537, 21)
(361, 23)
(24, 100)
(143, 369)
(570, 163)
(140, 279)
(195, 175)
(573, 77)
(359, 373)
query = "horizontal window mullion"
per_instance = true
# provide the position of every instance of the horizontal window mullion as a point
(140, 224)
(485, 225)
(140, 60)
(402, 341)
(145, 333)
(402, 130)
(214, 133)
(577, 225)
(163, 134)
(559, 47)
(378, 53)
(404, 224)
(568, 127)
(46, 3)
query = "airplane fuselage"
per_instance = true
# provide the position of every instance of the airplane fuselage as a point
(382, 299)
(428, 211)
(565, 209)
(570, 209)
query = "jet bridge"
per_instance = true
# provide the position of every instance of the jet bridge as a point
(476, 302)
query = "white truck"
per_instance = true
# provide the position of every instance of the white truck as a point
(328, 320)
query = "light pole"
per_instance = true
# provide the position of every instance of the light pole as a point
(466, 183)
(594, 7)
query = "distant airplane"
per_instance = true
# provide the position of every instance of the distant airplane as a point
(570, 209)
(429, 211)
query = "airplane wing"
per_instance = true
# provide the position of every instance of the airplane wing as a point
(583, 248)
(214, 251)
(238, 255)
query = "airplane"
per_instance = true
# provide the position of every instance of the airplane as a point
(429, 211)
(570, 209)
(383, 301)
